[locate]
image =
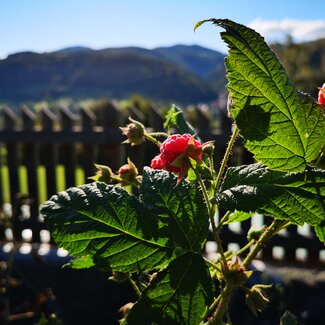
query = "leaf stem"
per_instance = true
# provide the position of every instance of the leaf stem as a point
(212, 171)
(134, 286)
(152, 139)
(242, 250)
(226, 156)
(213, 306)
(224, 219)
(223, 304)
(211, 264)
(269, 232)
(159, 134)
(319, 159)
(211, 211)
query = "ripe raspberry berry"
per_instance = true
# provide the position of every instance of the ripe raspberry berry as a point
(158, 162)
(175, 152)
(321, 95)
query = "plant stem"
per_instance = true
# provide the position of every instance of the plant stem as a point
(223, 304)
(212, 171)
(242, 250)
(211, 211)
(159, 134)
(134, 286)
(270, 231)
(213, 306)
(226, 156)
(152, 139)
(224, 219)
(211, 264)
(319, 159)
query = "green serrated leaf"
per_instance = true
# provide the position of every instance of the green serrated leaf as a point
(180, 294)
(82, 262)
(198, 24)
(238, 216)
(175, 117)
(109, 224)
(283, 129)
(180, 208)
(288, 319)
(296, 197)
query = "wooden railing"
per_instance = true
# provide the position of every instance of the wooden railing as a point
(43, 153)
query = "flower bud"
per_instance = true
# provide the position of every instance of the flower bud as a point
(103, 174)
(208, 147)
(129, 174)
(235, 272)
(124, 310)
(119, 277)
(135, 132)
(255, 298)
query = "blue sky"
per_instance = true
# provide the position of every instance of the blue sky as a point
(47, 25)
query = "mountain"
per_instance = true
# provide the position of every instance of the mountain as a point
(305, 63)
(178, 73)
(199, 60)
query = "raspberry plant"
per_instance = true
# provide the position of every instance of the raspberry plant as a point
(160, 232)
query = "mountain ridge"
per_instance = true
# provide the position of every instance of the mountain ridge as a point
(175, 73)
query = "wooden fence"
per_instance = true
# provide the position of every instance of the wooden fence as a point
(36, 148)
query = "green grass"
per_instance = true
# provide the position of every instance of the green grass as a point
(41, 181)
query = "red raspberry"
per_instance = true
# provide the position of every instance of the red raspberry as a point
(321, 95)
(158, 162)
(175, 152)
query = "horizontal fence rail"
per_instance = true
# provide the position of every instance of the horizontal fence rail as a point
(43, 153)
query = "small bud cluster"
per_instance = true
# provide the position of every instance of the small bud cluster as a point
(135, 132)
(126, 175)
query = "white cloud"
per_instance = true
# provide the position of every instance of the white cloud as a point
(299, 30)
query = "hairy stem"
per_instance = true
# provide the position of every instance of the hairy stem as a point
(213, 306)
(159, 134)
(226, 156)
(269, 232)
(224, 219)
(242, 250)
(152, 139)
(227, 292)
(211, 264)
(223, 304)
(134, 286)
(211, 211)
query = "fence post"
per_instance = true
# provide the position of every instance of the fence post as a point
(202, 122)
(68, 152)
(156, 121)
(111, 154)
(88, 119)
(50, 153)
(10, 119)
(30, 160)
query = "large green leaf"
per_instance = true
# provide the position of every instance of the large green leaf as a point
(106, 222)
(284, 129)
(180, 294)
(180, 208)
(175, 117)
(296, 197)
